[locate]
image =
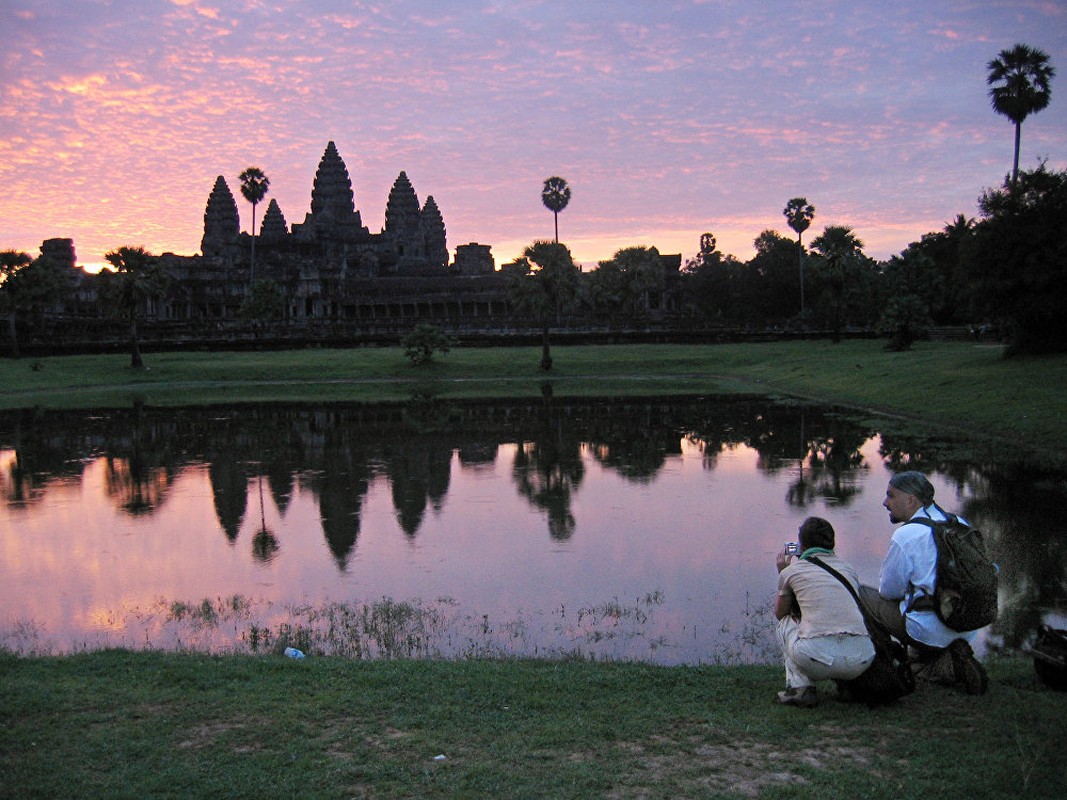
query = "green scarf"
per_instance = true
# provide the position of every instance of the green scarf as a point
(814, 551)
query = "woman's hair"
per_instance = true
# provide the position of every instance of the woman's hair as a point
(816, 532)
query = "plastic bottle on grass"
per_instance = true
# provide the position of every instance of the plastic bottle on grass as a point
(292, 652)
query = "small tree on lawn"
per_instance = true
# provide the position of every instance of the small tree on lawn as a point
(137, 279)
(423, 341)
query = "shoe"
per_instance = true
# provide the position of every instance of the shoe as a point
(939, 669)
(967, 669)
(803, 697)
(845, 694)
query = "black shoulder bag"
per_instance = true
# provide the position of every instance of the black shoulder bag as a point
(889, 676)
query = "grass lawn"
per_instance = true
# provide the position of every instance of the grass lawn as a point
(957, 387)
(123, 724)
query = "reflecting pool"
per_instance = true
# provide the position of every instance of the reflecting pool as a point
(624, 529)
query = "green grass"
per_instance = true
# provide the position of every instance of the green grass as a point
(959, 386)
(124, 724)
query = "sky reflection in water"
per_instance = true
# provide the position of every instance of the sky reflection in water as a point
(553, 542)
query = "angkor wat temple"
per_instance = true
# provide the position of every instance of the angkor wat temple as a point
(330, 266)
(340, 283)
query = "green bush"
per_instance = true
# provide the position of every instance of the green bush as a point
(423, 342)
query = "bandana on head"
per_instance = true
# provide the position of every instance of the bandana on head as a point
(914, 483)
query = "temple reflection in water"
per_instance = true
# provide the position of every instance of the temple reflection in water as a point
(505, 507)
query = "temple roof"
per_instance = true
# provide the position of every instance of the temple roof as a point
(331, 194)
(221, 222)
(402, 215)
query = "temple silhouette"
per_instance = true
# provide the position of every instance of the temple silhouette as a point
(413, 241)
(331, 265)
(339, 283)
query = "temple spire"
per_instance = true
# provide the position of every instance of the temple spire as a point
(433, 233)
(274, 228)
(333, 210)
(221, 223)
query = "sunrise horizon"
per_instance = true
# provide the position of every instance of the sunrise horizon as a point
(667, 121)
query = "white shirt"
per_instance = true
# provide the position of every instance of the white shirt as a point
(910, 570)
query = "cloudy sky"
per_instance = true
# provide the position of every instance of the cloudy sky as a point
(667, 118)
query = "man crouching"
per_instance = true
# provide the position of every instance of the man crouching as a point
(908, 577)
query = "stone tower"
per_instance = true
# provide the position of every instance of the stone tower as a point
(221, 223)
(59, 252)
(274, 227)
(402, 220)
(333, 210)
(433, 233)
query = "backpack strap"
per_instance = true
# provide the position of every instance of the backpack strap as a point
(926, 602)
(845, 581)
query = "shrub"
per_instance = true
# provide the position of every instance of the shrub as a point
(423, 342)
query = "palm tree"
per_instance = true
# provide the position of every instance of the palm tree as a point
(545, 288)
(254, 185)
(799, 213)
(1020, 85)
(959, 227)
(837, 246)
(137, 279)
(555, 195)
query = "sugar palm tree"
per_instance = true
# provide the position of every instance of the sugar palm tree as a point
(1020, 85)
(959, 227)
(799, 213)
(254, 185)
(555, 195)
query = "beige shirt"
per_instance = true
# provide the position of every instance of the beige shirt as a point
(826, 607)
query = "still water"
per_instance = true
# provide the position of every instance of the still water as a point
(609, 529)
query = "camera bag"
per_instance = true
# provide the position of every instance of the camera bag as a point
(1050, 657)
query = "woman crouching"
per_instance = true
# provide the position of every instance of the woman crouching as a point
(820, 626)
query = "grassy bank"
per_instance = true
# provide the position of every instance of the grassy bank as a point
(966, 387)
(121, 724)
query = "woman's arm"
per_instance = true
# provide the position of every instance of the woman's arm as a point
(783, 606)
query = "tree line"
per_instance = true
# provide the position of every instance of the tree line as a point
(1004, 271)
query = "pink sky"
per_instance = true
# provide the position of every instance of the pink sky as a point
(668, 119)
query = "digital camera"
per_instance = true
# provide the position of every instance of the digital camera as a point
(792, 548)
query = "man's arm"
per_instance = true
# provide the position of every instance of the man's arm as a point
(895, 578)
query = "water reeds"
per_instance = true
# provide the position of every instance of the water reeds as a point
(387, 628)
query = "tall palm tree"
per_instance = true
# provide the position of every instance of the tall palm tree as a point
(555, 195)
(254, 185)
(959, 227)
(1020, 85)
(799, 213)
